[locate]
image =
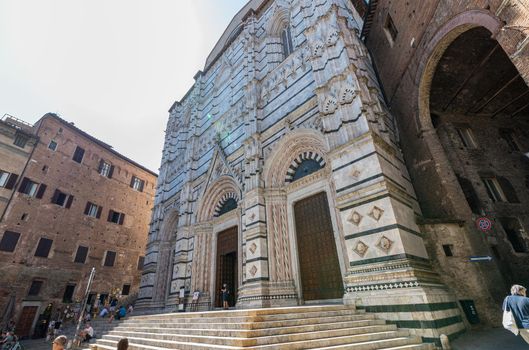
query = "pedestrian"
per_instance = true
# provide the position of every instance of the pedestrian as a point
(518, 304)
(87, 333)
(225, 295)
(59, 343)
(130, 309)
(123, 344)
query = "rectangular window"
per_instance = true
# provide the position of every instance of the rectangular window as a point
(8, 180)
(447, 248)
(9, 241)
(494, 190)
(110, 258)
(78, 154)
(93, 210)
(126, 289)
(52, 145)
(106, 169)
(35, 287)
(68, 293)
(80, 256)
(390, 30)
(44, 247)
(116, 217)
(20, 140)
(141, 261)
(467, 137)
(62, 199)
(28, 187)
(515, 234)
(137, 184)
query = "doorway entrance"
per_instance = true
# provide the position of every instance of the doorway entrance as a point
(227, 265)
(321, 277)
(26, 321)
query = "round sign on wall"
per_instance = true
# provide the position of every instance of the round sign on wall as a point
(484, 224)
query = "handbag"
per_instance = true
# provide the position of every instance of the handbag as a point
(509, 323)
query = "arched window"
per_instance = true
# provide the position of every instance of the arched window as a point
(227, 203)
(286, 41)
(305, 164)
(227, 206)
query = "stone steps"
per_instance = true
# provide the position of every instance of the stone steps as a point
(296, 328)
(219, 329)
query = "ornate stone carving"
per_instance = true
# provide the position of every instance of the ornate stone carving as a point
(330, 105)
(355, 218)
(361, 248)
(332, 37)
(253, 270)
(317, 49)
(384, 244)
(376, 213)
(253, 248)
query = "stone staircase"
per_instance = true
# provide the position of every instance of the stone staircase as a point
(308, 327)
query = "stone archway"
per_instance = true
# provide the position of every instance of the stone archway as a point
(443, 116)
(218, 212)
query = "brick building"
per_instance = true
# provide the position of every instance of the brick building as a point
(455, 75)
(78, 204)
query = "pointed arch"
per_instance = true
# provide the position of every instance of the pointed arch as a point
(223, 188)
(227, 203)
(304, 164)
(302, 142)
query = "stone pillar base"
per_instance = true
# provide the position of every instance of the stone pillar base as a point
(267, 294)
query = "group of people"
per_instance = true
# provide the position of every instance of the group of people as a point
(9, 341)
(60, 343)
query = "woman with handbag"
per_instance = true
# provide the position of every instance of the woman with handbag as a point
(516, 312)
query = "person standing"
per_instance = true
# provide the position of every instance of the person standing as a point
(225, 293)
(518, 304)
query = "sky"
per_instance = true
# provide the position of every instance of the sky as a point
(113, 67)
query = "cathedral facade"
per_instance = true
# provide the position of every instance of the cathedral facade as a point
(283, 178)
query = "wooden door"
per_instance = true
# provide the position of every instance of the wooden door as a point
(23, 328)
(227, 266)
(318, 259)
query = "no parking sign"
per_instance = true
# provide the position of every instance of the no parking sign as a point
(484, 224)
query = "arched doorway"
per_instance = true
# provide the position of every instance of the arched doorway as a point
(319, 267)
(479, 107)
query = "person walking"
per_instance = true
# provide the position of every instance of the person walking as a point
(518, 304)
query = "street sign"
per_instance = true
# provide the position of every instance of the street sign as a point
(480, 258)
(484, 224)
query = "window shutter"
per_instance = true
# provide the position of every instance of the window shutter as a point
(121, 218)
(86, 208)
(11, 181)
(132, 181)
(101, 162)
(111, 172)
(508, 189)
(141, 185)
(40, 192)
(110, 212)
(99, 210)
(23, 185)
(69, 202)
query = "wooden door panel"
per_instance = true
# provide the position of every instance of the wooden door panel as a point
(321, 277)
(25, 321)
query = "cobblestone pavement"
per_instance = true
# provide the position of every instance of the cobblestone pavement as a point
(489, 339)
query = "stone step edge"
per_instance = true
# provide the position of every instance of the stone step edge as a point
(400, 347)
(262, 321)
(243, 339)
(267, 336)
(254, 312)
(344, 323)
